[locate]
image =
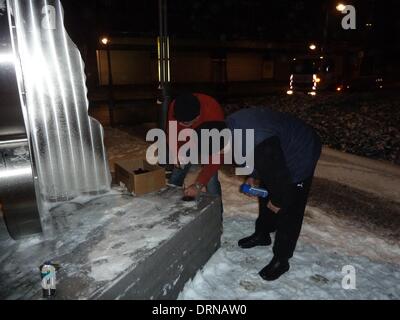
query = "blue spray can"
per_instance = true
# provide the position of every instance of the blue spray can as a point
(253, 191)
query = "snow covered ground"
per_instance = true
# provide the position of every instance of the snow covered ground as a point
(326, 245)
(315, 273)
(337, 232)
(344, 226)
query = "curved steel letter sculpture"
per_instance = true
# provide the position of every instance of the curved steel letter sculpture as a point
(67, 144)
(50, 149)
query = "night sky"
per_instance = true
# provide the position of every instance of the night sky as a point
(283, 20)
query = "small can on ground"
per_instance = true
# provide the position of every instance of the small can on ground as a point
(48, 276)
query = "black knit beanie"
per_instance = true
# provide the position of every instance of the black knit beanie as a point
(187, 107)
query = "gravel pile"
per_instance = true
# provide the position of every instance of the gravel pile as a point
(366, 124)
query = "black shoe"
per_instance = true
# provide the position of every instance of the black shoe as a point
(274, 269)
(255, 240)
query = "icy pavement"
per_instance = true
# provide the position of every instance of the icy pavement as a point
(331, 239)
(373, 176)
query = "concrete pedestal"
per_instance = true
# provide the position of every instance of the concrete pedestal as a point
(115, 247)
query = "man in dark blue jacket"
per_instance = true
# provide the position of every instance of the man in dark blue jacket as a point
(286, 151)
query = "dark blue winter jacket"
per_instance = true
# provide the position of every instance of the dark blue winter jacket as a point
(300, 145)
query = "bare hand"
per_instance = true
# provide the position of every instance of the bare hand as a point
(251, 181)
(273, 208)
(192, 191)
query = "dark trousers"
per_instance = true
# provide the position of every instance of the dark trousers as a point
(288, 221)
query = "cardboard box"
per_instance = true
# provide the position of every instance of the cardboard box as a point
(142, 183)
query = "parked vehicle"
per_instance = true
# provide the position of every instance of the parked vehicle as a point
(312, 74)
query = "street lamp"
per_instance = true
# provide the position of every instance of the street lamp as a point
(163, 62)
(312, 46)
(340, 7)
(104, 41)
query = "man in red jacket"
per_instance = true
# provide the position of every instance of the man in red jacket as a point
(192, 111)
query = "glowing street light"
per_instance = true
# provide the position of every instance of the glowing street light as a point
(312, 46)
(104, 40)
(340, 7)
